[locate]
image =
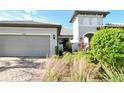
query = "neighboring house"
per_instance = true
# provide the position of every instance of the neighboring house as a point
(112, 25)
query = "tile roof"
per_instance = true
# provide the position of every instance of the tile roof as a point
(77, 12)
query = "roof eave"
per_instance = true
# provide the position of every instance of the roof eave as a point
(32, 26)
(80, 12)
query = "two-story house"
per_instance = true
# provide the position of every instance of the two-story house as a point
(85, 23)
(30, 38)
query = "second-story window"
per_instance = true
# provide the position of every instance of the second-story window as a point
(99, 21)
(94, 21)
(86, 21)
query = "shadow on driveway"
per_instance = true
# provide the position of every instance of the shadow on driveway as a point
(24, 63)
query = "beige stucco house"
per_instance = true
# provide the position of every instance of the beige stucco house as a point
(85, 24)
(29, 38)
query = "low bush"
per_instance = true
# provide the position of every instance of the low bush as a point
(69, 46)
(107, 45)
(58, 51)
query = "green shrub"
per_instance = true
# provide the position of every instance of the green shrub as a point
(58, 50)
(69, 46)
(76, 56)
(107, 45)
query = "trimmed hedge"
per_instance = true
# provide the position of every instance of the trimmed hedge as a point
(107, 45)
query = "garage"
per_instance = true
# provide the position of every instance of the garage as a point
(24, 45)
(28, 38)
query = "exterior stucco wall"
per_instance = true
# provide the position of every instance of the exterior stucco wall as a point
(75, 30)
(89, 24)
(84, 24)
(83, 30)
(75, 35)
(32, 31)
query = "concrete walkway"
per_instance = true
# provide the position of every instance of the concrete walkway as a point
(21, 69)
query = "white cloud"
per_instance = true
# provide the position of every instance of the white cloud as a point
(33, 15)
(2, 18)
(27, 17)
(31, 12)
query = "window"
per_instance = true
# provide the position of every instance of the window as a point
(99, 21)
(94, 21)
(86, 21)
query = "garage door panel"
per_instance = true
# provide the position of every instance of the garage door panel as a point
(21, 53)
(24, 45)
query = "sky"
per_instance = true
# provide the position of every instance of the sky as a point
(55, 16)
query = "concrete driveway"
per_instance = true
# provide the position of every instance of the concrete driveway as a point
(21, 69)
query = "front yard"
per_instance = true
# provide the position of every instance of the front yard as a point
(102, 62)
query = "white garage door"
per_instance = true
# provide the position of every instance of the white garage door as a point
(24, 45)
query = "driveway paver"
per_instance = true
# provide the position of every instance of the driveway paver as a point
(19, 69)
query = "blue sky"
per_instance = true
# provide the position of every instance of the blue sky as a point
(115, 16)
(55, 16)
